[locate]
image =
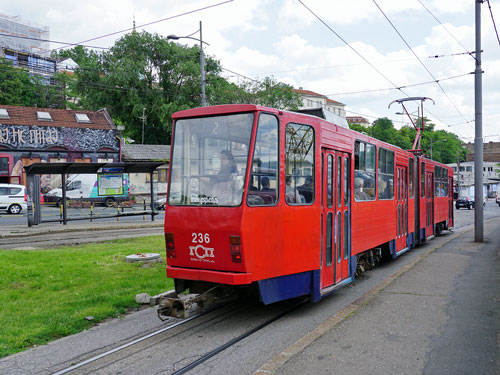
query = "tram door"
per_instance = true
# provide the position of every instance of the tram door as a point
(429, 203)
(336, 202)
(401, 207)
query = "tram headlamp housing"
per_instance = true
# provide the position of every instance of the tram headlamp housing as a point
(235, 245)
(170, 245)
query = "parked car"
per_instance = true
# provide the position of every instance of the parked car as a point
(497, 199)
(13, 198)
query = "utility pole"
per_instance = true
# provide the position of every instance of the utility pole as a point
(202, 71)
(143, 121)
(478, 140)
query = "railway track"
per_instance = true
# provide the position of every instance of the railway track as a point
(180, 334)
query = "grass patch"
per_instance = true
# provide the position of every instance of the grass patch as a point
(47, 294)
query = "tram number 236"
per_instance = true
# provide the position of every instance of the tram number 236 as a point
(200, 237)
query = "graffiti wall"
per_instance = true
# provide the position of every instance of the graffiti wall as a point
(43, 137)
(22, 145)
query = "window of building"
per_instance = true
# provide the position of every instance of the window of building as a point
(299, 162)
(364, 171)
(82, 118)
(4, 114)
(43, 116)
(263, 186)
(468, 169)
(385, 174)
(4, 166)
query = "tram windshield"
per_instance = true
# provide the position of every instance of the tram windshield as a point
(209, 160)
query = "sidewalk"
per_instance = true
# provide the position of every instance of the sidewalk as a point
(439, 316)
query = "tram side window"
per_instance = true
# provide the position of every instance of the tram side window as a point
(438, 183)
(422, 179)
(410, 177)
(364, 171)
(263, 184)
(444, 182)
(385, 174)
(299, 164)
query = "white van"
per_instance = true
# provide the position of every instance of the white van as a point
(106, 188)
(13, 198)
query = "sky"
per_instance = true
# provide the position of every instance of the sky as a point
(355, 52)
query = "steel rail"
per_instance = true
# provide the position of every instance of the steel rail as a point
(109, 352)
(230, 343)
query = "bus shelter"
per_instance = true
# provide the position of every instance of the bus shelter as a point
(34, 171)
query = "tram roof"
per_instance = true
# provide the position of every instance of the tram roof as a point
(218, 109)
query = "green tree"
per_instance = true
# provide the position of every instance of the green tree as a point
(18, 87)
(147, 71)
(383, 129)
(360, 128)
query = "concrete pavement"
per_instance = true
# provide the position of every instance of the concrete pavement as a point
(437, 316)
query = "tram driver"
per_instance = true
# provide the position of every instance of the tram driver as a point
(223, 184)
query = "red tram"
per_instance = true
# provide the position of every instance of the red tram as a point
(291, 203)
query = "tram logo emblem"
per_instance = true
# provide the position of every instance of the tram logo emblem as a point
(201, 252)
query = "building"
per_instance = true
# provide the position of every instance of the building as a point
(31, 135)
(491, 152)
(23, 36)
(463, 178)
(311, 99)
(464, 172)
(25, 45)
(358, 120)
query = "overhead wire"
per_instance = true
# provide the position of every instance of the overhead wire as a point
(362, 57)
(147, 24)
(448, 31)
(420, 61)
(493, 19)
(400, 87)
(347, 44)
(46, 40)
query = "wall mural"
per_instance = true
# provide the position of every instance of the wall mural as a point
(42, 137)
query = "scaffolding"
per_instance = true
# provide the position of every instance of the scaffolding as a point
(18, 30)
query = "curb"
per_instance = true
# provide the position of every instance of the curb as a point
(271, 366)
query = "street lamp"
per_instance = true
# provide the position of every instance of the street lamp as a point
(202, 61)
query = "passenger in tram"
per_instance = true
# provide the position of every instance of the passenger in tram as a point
(264, 181)
(291, 194)
(266, 192)
(306, 190)
(359, 192)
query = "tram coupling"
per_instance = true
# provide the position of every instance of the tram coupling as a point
(185, 305)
